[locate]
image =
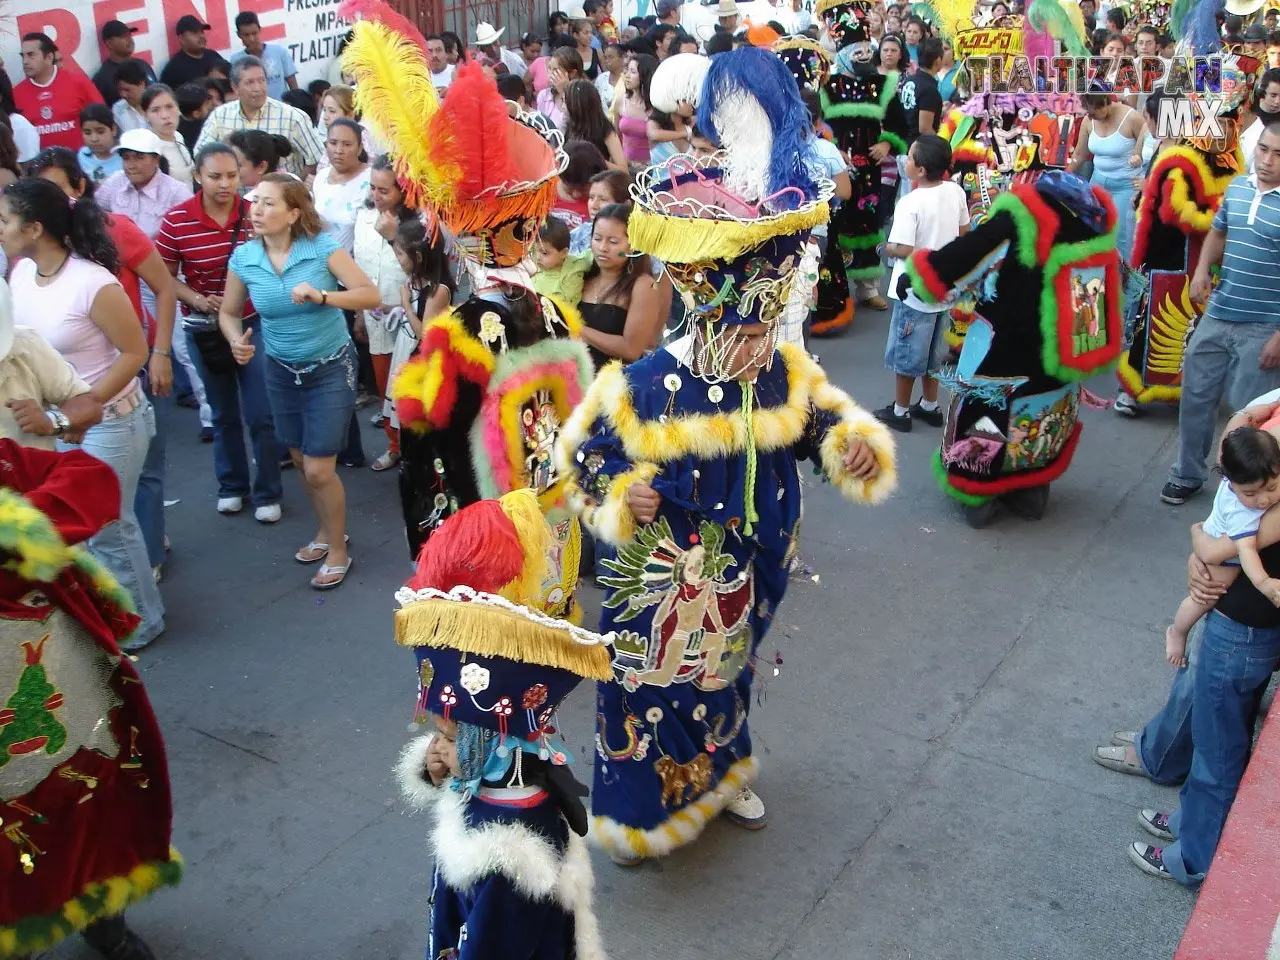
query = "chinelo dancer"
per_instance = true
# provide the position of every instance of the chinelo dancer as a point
(686, 463)
(481, 403)
(85, 810)
(512, 874)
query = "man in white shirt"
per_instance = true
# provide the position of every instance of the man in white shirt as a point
(1266, 112)
(438, 63)
(488, 43)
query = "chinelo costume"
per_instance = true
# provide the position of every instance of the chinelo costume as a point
(1047, 317)
(483, 400)
(692, 594)
(512, 873)
(1179, 199)
(862, 108)
(85, 811)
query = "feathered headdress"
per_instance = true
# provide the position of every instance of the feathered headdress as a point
(485, 168)
(678, 80)
(1064, 22)
(1200, 34)
(752, 108)
(808, 62)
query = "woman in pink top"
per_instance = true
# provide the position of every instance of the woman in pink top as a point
(633, 121)
(64, 288)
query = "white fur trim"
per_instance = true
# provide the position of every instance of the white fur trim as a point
(466, 855)
(411, 773)
(576, 891)
(683, 827)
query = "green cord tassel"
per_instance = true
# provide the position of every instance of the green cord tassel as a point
(749, 488)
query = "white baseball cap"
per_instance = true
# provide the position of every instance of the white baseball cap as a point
(140, 141)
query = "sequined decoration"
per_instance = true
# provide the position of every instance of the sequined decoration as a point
(28, 850)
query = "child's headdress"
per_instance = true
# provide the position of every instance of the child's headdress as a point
(486, 169)
(808, 62)
(730, 227)
(487, 655)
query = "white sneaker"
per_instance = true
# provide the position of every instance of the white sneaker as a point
(268, 514)
(747, 810)
(230, 504)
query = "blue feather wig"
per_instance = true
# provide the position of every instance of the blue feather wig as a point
(728, 118)
(1201, 26)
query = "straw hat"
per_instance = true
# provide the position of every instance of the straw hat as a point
(729, 8)
(486, 34)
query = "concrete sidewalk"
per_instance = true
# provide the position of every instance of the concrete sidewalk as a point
(925, 747)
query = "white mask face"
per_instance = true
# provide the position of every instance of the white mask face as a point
(862, 52)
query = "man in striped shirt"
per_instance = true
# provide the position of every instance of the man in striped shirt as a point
(257, 111)
(1235, 349)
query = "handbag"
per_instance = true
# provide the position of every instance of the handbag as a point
(214, 349)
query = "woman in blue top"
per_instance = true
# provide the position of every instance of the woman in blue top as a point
(300, 281)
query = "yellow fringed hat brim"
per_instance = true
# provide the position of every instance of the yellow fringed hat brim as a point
(488, 631)
(686, 239)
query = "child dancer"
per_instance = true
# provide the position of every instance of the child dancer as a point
(512, 878)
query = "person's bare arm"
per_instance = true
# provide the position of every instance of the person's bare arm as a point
(617, 159)
(360, 292)
(642, 329)
(1081, 154)
(658, 135)
(898, 251)
(153, 272)
(844, 186)
(1215, 242)
(231, 310)
(1212, 550)
(113, 314)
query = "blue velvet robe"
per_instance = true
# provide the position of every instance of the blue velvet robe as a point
(691, 595)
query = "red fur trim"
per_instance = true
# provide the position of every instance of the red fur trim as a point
(410, 412)
(1020, 481)
(924, 269)
(1115, 326)
(1045, 218)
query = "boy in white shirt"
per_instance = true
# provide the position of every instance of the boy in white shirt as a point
(930, 216)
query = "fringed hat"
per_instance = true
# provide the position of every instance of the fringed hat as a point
(846, 21)
(730, 227)
(486, 655)
(486, 169)
(808, 62)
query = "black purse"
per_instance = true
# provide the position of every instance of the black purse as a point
(214, 349)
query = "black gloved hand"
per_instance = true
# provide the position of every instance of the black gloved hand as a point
(904, 286)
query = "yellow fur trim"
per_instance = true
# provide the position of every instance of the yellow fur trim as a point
(611, 520)
(396, 94)
(569, 314)
(96, 901)
(1132, 381)
(874, 434)
(683, 827)
(525, 513)
(1181, 194)
(510, 405)
(36, 550)
(422, 377)
(489, 631)
(461, 340)
(682, 239)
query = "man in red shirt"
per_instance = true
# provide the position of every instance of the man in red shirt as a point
(52, 97)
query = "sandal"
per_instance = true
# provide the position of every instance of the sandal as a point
(385, 462)
(326, 570)
(320, 549)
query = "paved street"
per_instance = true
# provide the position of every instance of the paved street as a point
(925, 748)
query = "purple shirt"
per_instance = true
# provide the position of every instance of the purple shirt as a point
(146, 206)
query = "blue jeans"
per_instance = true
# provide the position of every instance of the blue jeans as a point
(915, 339)
(148, 503)
(122, 444)
(1164, 744)
(313, 403)
(1221, 358)
(1236, 663)
(238, 398)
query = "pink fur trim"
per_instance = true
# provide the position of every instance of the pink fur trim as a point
(495, 444)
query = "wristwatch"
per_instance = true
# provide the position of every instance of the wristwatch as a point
(61, 423)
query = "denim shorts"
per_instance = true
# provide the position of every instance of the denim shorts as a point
(915, 342)
(311, 403)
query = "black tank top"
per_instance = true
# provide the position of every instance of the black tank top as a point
(605, 318)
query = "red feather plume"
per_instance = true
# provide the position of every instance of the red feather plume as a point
(379, 12)
(471, 133)
(477, 546)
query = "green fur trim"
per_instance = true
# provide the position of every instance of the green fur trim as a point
(868, 111)
(866, 273)
(918, 285)
(1027, 229)
(1061, 255)
(892, 139)
(107, 585)
(944, 481)
(512, 362)
(865, 242)
(99, 900)
(34, 547)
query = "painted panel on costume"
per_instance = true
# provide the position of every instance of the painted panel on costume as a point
(1040, 426)
(700, 632)
(56, 701)
(1170, 319)
(1088, 309)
